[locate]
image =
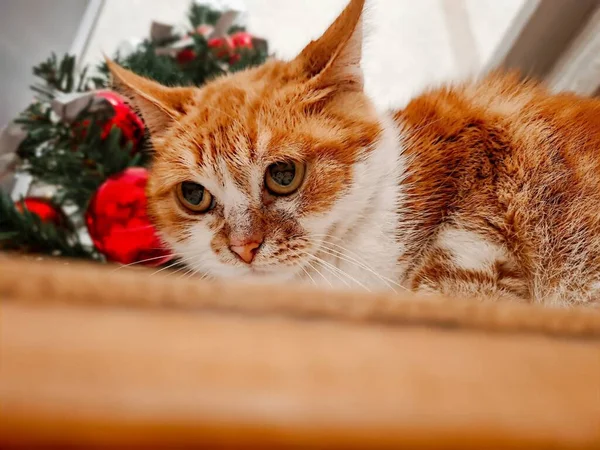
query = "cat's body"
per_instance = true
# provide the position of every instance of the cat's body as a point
(503, 192)
(487, 189)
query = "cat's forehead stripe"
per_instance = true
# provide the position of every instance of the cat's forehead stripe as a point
(262, 143)
(233, 189)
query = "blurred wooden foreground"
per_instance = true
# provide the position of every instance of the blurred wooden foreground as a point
(92, 357)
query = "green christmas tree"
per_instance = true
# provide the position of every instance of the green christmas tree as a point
(76, 156)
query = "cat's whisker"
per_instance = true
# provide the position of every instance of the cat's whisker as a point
(187, 272)
(181, 260)
(192, 273)
(346, 253)
(195, 272)
(175, 272)
(337, 270)
(319, 272)
(342, 255)
(336, 275)
(173, 264)
(308, 274)
(175, 254)
(139, 262)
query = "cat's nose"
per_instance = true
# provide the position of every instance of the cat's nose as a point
(246, 250)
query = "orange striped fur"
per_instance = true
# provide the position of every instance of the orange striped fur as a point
(487, 189)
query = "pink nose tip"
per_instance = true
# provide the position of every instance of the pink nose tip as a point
(246, 251)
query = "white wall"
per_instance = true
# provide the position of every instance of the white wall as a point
(411, 44)
(29, 31)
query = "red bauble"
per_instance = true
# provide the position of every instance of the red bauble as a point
(124, 118)
(222, 47)
(241, 39)
(47, 211)
(118, 223)
(185, 56)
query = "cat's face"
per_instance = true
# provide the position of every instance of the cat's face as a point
(254, 170)
(251, 178)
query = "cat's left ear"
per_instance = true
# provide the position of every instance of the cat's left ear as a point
(333, 60)
(160, 106)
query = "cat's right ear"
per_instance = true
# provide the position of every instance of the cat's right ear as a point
(159, 106)
(333, 60)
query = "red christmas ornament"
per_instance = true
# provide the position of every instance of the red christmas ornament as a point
(47, 211)
(124, 118)
(118, 223)
(222, 47)
(242, 39)
(185, 56)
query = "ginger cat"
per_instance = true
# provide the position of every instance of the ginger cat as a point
(489, 189)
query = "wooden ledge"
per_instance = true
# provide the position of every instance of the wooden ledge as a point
(97, 358)
(94, 285)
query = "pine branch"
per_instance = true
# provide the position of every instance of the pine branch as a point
(75, 158)
(235, 29)
(199, 15)
(59, 76)
(25, 232)
(251, 57)
(205, 66)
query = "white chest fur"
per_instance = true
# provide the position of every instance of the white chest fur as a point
(360, 249)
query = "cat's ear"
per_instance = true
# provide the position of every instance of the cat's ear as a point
(159, 105)
(334, 58)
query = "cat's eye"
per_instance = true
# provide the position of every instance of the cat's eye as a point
(284, 178)
(194, 197)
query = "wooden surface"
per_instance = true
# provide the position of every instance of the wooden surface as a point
(97, 358)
